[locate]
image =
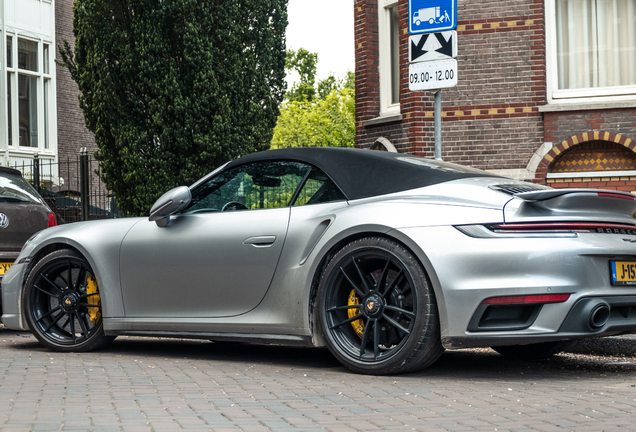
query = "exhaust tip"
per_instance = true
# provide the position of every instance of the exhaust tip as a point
(599, 315)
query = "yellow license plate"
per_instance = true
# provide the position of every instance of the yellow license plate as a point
(4, 267)
(623, 272)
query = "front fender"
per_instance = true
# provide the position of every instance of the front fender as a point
(98, 241)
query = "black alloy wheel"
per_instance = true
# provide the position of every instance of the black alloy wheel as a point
(377, 309)
(62, 303)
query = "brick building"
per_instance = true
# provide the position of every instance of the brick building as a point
(546, 92)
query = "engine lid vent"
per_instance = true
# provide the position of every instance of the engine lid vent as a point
(515, 188)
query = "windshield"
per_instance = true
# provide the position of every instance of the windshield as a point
(16, 189)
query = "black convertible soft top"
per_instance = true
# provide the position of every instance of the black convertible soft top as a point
(366, 173)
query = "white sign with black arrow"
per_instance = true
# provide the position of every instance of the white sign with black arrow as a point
(433, 46)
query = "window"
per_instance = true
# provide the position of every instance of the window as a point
(592, 48)
(318, 188)
(27, 55)
(28, 110)
(29, 87)
(264, 185)
(389, 34)
(47, 90)
(9, 105)
(249, 187)
(9, 91)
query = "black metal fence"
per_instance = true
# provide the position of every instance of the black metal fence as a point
(72, 187)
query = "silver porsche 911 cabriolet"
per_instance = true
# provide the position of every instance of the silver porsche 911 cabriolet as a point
(386, 259)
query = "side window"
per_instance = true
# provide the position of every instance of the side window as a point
(249, 187)
(318, 189)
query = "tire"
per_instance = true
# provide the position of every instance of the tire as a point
(418, 22)
(377, 309)
(532, 351)
(64, 317)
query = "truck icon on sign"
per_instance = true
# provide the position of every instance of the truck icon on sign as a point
(428, 14)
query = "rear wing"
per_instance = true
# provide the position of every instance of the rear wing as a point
(543, 195)
(572, 205)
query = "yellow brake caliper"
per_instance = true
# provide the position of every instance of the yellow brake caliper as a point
(358, 325)
(94, 313)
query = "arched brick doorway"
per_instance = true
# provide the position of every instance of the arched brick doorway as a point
(592, 160)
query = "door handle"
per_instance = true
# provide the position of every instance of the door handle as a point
(260, 241)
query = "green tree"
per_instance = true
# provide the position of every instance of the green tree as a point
(174, 88)
(305, 64)
(321, 115)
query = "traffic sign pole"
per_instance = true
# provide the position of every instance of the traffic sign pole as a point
(438, 125)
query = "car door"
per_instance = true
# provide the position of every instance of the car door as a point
(217, 257)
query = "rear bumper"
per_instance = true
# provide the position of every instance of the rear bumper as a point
(589, 317)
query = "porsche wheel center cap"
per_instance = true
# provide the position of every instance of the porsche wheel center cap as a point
(70, 302)
(373, 305)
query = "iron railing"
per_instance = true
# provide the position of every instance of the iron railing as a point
(72, 187)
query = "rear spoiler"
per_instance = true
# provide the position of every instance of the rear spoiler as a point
(572, 205)
(544, 195)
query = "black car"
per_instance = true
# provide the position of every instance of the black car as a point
(23, 212)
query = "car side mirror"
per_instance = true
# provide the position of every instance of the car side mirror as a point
(171, 202)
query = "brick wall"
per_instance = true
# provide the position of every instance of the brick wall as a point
(622, 183)
(367, 60)
(71, 130)
(560, 126)
(72, 134)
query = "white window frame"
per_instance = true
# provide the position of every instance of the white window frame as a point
(14, 71)
(556, 96)
(384, 36)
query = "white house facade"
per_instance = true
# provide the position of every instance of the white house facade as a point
(28, 114)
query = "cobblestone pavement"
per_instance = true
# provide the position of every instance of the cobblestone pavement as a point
(143, 384)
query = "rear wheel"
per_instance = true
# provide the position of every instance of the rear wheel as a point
(533, 351)
(378, 310)
(62, 304)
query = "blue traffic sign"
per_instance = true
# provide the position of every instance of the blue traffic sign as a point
(428, 16)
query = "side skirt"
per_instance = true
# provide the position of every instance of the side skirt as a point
(286, 340)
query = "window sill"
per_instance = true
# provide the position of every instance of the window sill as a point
(30, 151)
(391, 118)
(584, 106)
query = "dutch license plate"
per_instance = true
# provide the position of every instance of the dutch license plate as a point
(4, 267)
(623, 272)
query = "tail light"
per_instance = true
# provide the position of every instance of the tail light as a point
(527, 299)
(565, 227)
(545, 229)
(52, 220)
(615, 195)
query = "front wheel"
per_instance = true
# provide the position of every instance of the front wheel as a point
(378, 310)
(62, 303)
